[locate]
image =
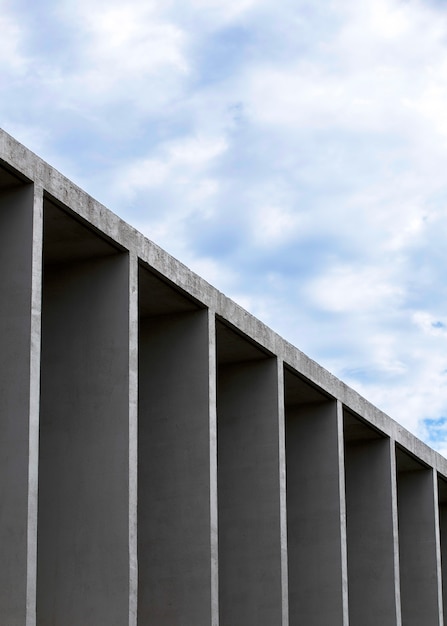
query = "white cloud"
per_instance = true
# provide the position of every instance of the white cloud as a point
(183, 167)
(430, 103)
(177, 162)
(274, 225)
(376, 73)
(112, 54)
(435, 326)
(223, 12)
(126, 39)
(415, 397)
(14, 60)
(348, 289)
(196, 151)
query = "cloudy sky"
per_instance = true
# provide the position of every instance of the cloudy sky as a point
(293, 153)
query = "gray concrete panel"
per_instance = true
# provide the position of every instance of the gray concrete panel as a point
(83, 532)
(20, 272)
(174, 510)
(315, 513)
(417, 543)
(249, 502)
(370, 536)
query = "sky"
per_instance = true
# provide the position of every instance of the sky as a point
(292, 153)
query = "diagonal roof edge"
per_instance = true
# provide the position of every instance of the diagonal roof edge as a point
(15, 156)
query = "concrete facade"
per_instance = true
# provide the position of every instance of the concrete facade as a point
(168, 460)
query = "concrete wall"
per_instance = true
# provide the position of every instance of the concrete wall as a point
(315, 516)
(174, 538)
(248, 494)
(418, 552)
(166, 459)
(372, 553)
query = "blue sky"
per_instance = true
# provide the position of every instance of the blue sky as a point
(294, 154)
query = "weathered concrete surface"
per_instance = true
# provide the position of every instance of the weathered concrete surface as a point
(223, 470)
(370, 532)
(417, 544)
(64, 191)
(174, 537)
(315, 516)
(248, 494)
(83, 523)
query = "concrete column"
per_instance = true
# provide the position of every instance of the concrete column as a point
(417, 543)
(370, 534)
(393, 468)
(442, 502)
(87, 413)
(133, 439)
(316, 515)
(177, 562)
(283, 493)
(20, 296)
(250, 560)
(214, 512)
(438, 548)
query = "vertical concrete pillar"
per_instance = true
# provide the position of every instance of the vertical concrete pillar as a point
(438, 549)
(417, 543)
(442, 503)
(370, 532)
(250, 560)
(133, 439)
(283, 493)
(214, 511)
(20, 296)
(394, 501)
(177, 562)
(86, 487)
(315, 511)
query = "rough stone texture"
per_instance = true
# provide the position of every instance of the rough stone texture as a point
(168, 460)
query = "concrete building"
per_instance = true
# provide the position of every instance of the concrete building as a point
(168, 460)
